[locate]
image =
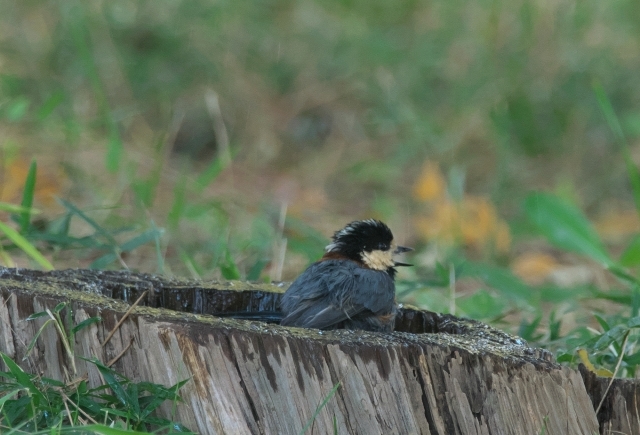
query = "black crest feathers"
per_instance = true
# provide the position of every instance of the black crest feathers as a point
(361, 236)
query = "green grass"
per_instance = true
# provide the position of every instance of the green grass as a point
(330, 110)
(34, 404)
(328, 397)
(421, 81)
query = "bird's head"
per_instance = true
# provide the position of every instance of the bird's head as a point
(369, 242)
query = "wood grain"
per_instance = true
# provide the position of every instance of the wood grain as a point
(255, 378)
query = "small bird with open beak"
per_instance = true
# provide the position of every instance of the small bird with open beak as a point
(352, 286)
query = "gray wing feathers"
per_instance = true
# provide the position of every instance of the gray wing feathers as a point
(315, 318)
(375, 290)
(332, 291)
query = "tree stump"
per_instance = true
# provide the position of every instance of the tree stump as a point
(436, 374)
(620, 411)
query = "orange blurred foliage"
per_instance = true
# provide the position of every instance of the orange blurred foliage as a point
(473, 221)
(431, 185)
(618, 225)
(534, 267)
(12, 180)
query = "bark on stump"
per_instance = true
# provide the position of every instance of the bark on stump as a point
(435, 375)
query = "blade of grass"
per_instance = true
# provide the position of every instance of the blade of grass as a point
(190, 264)
(17, 108)
(86, 322)
(26, 247)
(62, 334)
(81, 38)
(50, 104)
(6, 397)
(141, 239)
(127, 246)
(256, 269)
(6, 259)
(630, 257)
(67, 242)
(22, 377)
(218, 165)
(27, 197)
(114, 146)
(565, 226)
(319, 408)
(159, 256)
(102, 430)
(502, 280)
(228, 267)
(12, 208)
(34, 340)
(616, 127)
(179, 203)
(623, 274)
(606, 391)
(75, 210)
(158, 395)
(111, 378)
(146, 188)
(104, 261)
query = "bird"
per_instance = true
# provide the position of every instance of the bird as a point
(352, 286)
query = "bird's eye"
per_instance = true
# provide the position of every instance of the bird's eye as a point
(382, 247)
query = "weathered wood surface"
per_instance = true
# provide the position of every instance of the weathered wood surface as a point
(620, 411)
(442, 375)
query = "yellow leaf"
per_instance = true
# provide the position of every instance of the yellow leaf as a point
(534, 267)
(618, 225)
(478, 221)
(431, 184)
(503, 237)
(584, 358)
(14, 174)
(472, 222)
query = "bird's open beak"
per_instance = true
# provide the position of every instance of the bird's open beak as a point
(400, 250)
(398, 263)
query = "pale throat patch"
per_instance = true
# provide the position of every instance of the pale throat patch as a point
(379, 260)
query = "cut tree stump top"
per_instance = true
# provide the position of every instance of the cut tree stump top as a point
(436, 374)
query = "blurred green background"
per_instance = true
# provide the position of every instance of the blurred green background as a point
(218, 139)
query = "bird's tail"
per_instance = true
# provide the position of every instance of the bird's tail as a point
(258, 316)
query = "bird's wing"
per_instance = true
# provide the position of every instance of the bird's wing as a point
(374, 291)
(333, 292)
